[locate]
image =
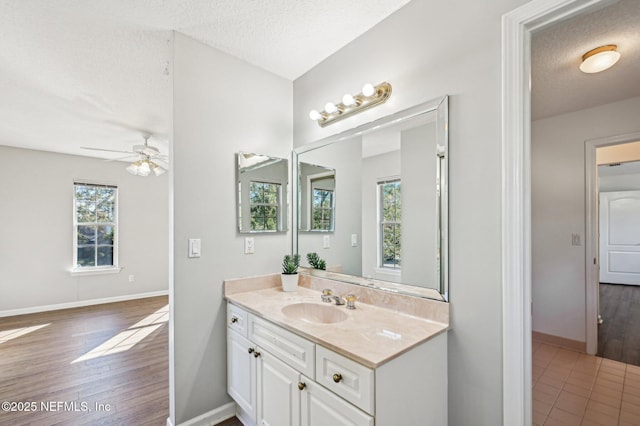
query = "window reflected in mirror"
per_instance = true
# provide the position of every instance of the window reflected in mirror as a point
(262, 193)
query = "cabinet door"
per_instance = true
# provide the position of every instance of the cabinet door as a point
(278, 393)
(320, 407)
(241, 373)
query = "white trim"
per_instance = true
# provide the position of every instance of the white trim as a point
(212, 417)
(169, 422)
(85, 272)
(516, 196)
(81, 303)
(592, 247)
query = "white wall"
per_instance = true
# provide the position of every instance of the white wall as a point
(558, 210)
(221, 106)
(419, 207)
(425, 50)
(36, 228)
(345, 158)
(630, 182)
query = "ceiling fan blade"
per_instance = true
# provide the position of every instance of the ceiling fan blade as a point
(122, 158)
(107, 150)
(161, 163)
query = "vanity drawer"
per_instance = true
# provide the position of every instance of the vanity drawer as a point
(352, 381)
(237, 319)
(291, 349)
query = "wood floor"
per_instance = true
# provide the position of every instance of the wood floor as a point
(619, 334)
(99, 365)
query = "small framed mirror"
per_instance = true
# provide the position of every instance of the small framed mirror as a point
(262, 193)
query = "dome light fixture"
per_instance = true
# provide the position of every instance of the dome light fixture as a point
(599, 59)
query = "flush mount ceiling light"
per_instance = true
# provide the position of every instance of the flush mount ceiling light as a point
(599, 59)
(352, 104)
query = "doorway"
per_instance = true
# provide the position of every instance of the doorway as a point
(613, 226)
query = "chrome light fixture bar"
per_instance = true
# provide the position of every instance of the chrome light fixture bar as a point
(352, 104)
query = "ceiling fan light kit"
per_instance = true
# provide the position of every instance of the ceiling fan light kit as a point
(147, 162)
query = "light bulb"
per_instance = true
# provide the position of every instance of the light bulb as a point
(348, 100)
(330, 107)
(315, 115)
(133, 168)
(368, 89)
(157, 170)
(144, 169)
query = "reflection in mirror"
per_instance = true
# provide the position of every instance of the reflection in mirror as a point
(262, 192)
(390, 221)
(317, 198)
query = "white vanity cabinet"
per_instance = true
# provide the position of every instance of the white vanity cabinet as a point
(278, 378)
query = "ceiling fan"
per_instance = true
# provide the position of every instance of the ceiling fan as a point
(149, 158)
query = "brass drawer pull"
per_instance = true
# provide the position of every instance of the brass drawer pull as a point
(256, 354)
(251, 350)
(302, 385)
(234, 320)
(337, 377)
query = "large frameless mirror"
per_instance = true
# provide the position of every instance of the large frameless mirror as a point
(381, 214)
(262, 193)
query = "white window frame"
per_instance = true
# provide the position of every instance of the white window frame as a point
(381, 222)
(278, 206)
(95, 270)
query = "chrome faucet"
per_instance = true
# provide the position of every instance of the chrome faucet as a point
(327, 296)
(339, 300)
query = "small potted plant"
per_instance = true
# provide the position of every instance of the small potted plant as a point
(319, 265)
(290, 272)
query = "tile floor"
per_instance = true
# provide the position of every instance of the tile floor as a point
(571, 388)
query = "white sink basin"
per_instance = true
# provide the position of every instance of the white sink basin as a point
(314, 313)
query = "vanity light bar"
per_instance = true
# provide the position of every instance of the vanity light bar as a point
(352, 104)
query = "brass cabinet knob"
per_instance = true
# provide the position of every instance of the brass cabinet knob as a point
(251, 350)
(302, 385)
(256, 354)
(337, 377)
(234, 320)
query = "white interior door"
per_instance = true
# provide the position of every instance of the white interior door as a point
(620, 237)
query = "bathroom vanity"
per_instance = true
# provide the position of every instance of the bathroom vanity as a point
(295, 360)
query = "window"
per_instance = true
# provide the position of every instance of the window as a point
(95, 226)
(390, 214)
(263, 204)
(322, 209)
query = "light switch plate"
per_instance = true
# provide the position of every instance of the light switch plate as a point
(249, 245)
(575, 239)
(326, 241)
(194, 247)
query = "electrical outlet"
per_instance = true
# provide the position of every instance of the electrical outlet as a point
(326, 242)
(249, 245)
(132, 278)
(354, 240)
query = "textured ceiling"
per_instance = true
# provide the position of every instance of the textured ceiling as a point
(97, 73)
(558, 86)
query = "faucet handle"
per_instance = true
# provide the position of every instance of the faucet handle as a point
(326, 295)
(351, 301)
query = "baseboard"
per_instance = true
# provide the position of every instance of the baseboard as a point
(573, 345)
(81, 303)
(211, 418)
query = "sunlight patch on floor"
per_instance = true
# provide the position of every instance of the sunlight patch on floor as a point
(7, 335)
(127, 339)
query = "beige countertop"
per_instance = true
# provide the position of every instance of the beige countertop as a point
(371, 335)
